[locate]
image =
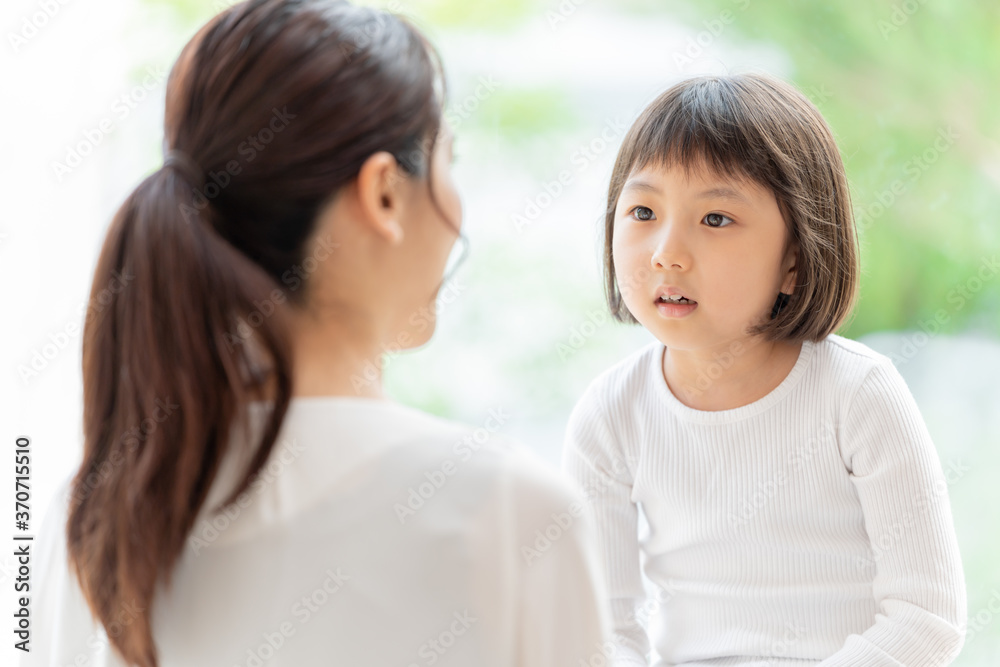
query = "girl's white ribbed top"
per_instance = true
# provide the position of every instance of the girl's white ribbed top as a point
(811, 526)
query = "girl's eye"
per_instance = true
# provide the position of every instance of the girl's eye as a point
(642, 213)
(715, 220)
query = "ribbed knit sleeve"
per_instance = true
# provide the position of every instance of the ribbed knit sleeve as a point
(918, 582)
(593, 458)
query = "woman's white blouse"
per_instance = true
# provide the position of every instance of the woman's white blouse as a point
(375, 535)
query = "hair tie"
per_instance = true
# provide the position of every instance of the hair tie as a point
(186, 166)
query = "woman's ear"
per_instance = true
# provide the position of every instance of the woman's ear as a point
(379, 189)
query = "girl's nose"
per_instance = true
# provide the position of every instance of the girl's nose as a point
(671, 250)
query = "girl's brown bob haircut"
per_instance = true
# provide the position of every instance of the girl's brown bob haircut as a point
(757, 128)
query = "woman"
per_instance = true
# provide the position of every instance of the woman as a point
(298, 229)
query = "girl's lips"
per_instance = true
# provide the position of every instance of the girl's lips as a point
(675, 309)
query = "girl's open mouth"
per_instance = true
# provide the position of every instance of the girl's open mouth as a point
(671, 300)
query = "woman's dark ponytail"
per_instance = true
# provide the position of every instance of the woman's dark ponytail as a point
(163, 381)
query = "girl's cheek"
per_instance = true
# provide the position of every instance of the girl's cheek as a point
(628, 257)
(625, 243)
(633, 275)
(631, 254)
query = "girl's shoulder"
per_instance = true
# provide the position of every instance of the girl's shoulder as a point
(628, 376)
(839, 345)
(860, 378)
(846, 361)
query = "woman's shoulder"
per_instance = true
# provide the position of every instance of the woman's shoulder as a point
(476, 476)
(485, 457)
(422, 453)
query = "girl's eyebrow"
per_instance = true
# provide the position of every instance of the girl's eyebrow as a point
(641, 185)
(724, 193)
(720, 192)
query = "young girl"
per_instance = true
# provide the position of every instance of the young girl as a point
(797, 511)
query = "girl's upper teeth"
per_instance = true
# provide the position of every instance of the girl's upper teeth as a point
(672, 297)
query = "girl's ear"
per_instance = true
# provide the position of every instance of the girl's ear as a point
(379, 191)
(790, 270)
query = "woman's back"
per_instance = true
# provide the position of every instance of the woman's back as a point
(375, 534)
(353, 530)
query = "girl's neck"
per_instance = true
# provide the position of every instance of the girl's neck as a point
(724, 379)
